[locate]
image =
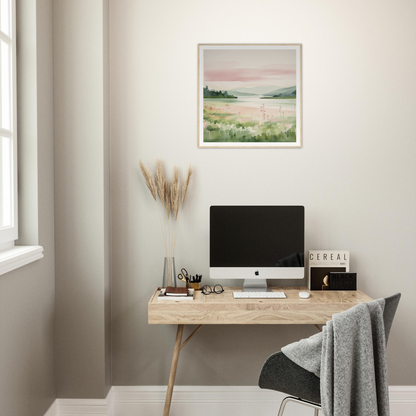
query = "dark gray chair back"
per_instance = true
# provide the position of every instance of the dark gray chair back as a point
(389, 311)
(281, 374)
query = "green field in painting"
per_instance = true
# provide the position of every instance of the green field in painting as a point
(224, 122)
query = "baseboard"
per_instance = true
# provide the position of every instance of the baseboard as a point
(205, 401)
(402, 400)
(83, 407)
(196, 400)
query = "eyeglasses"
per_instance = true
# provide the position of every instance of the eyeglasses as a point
(207, 290)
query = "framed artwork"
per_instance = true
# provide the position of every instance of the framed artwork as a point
(249, 95)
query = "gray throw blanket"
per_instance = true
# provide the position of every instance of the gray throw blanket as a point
(350, 358)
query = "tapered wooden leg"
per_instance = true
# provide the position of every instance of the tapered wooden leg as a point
(173, 368)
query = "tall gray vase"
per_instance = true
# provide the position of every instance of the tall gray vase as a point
(169, 272)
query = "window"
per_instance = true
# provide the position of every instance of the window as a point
(8, 147)
(11, 256)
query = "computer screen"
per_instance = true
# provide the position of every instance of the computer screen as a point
(256, 242)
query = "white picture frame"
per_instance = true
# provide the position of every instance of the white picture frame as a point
(249, 95)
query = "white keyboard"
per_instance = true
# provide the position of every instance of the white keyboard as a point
(259, 295)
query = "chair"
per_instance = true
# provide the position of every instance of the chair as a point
(281, 374)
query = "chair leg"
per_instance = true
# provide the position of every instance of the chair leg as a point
(283, 405)
(297, 400)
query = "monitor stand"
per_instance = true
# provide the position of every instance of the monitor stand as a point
(255, 285)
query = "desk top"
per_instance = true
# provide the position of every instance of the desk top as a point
(218, 309)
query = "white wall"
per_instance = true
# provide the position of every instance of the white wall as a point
(355, 174)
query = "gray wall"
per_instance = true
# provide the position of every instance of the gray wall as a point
(355, 174)
(81, 132)
(27, 295)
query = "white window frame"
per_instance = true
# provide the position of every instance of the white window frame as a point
(9, 233)
(11, 256)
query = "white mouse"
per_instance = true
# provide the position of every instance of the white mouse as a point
(304, 295)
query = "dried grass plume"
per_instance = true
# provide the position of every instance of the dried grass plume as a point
(167, 197)
(160, 180)
(175, 193)
(186, 183)
(148, 179)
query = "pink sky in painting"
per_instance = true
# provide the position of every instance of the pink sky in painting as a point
(236, 68)
(247, 74)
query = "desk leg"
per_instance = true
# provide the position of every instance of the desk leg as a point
(173, 368)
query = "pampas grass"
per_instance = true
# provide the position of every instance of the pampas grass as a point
(166, 200)
(168, 209)
(160, 180)
(186, 183)
(174, 193)
(148, 179)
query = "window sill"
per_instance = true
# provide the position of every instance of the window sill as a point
(18, 256)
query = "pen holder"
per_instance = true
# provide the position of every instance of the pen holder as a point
(195, 286)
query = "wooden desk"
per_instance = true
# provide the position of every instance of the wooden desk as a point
(223, 309)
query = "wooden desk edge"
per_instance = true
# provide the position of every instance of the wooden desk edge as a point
(297, 312)
(152, 298)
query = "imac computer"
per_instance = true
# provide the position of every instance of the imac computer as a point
(256, 243)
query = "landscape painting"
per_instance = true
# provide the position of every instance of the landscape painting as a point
(249, 96)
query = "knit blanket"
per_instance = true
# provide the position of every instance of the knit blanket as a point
(349, 356)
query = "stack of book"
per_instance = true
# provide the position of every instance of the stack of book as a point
(176, 293)
(322, 263)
